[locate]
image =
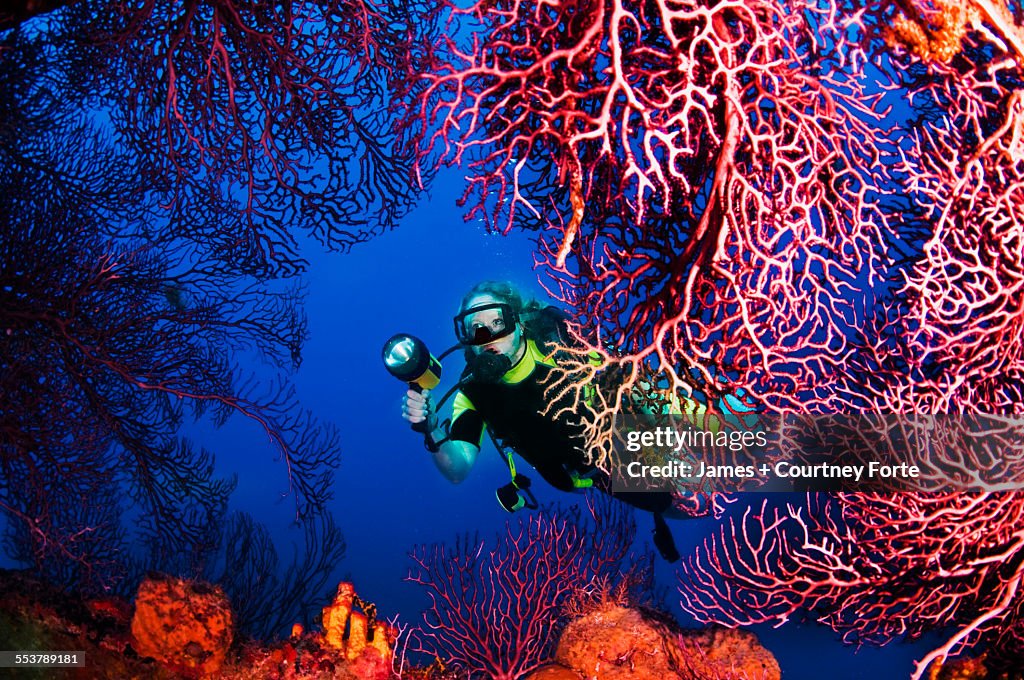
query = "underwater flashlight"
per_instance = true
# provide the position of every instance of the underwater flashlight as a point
(407, 358)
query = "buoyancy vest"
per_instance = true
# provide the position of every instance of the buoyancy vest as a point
(520, 415)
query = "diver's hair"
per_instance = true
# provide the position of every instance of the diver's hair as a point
(527, 310)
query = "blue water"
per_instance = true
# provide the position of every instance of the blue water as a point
(388, 496)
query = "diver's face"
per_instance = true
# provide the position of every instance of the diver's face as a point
(510, 345)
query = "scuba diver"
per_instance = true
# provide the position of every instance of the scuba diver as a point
(510, 351)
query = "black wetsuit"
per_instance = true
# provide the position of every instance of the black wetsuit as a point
(514, 410)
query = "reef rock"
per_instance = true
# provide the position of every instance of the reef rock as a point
(554, 672)
(967, 668)
(614, 643)
(618, 643)
(186, 626)
(726, 653)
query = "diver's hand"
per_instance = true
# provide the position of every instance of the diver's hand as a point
(418, 407)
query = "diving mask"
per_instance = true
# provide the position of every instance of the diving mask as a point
(484, 324)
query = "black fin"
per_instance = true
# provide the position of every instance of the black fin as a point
(664, 541)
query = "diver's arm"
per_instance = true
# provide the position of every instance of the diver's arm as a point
(454, 458)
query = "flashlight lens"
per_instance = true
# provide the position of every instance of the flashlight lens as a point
(401, 353)
(406, 357)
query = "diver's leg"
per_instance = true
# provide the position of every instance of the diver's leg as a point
(660, 505)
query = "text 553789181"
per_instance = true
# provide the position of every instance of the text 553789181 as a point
(34, 659)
